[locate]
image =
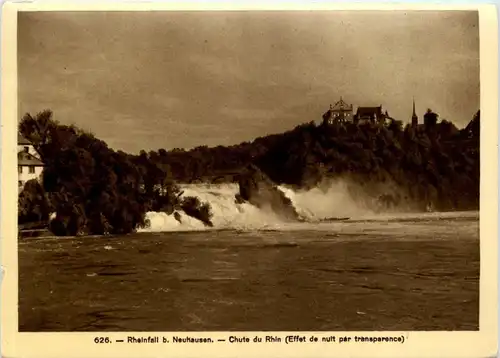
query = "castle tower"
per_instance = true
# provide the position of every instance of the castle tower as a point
(414, 117)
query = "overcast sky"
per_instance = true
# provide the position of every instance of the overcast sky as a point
(176, 79)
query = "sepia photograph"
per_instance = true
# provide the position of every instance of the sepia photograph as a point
(248, 171)
(249, 181)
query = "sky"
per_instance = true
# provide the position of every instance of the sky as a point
(151, 80)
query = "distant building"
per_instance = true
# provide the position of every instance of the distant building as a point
(29, 165)
(371, 115)
(340, 112)
(414, 117)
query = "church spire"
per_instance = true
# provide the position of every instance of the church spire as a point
(414, 117)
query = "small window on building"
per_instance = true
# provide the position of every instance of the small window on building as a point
(27, 149)
(32, 169)
(20, 169)
(20, 183)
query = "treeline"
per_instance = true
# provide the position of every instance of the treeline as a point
(434, 164)
(94, 189)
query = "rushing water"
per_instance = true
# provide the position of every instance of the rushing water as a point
(252, 272)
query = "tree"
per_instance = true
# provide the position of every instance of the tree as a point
(447, 130)
(33, 203)
(430, 119)
(472, 130)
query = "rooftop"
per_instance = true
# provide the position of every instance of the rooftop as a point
(369, 110)
(341, 106)
(27, 159)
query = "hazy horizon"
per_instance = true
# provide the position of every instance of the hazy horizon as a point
(151, 80)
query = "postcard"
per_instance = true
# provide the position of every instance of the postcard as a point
(249, 179)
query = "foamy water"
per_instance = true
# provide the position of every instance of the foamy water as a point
(317, 204)
(226, 212)
(314, 205)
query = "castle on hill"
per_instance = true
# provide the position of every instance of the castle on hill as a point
(341, 112)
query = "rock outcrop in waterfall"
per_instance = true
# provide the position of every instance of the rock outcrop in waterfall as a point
(257, 189)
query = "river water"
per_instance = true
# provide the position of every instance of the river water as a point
(393, 272)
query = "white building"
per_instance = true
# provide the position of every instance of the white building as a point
(29, 165)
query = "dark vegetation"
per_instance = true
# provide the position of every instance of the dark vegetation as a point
(96, 190)
(33, 204)
(434, 164)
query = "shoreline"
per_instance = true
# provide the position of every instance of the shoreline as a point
(401, 217)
